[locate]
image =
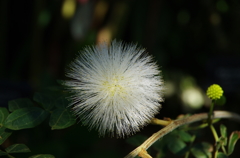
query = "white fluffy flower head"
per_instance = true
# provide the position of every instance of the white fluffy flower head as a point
(116, 89)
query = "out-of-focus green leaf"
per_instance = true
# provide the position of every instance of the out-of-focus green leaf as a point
(45, 100)
(17, 148)
(3, 115)
(221, 101)
(61, 118)
(221, 155)
(25, 118)
(2, 153)
(232, 141)
(223, 130)
(61, 102)
(161, 148)
(136, 140)
(19, 103)
(202, 150)
(186, 137)
(4, 134)
(42, 156)
(177, 146)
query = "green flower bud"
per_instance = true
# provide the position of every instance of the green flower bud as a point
(214, 92)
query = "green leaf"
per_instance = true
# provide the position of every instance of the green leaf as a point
(61, 102)
(2, 153)
(42, 156)
(136, 140)
(223, 130)
(45, 100)
(19, 103)
(25, 118)
(3, 115)
(221, 155)
(61, 118)
(4, 134)
(17, 148)
(202, 150)
(221, 101)
(232, 141)
(186, 137)
(177, 146)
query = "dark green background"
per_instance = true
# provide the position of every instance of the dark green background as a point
(198, 39)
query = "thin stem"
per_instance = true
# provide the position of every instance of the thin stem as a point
(214, 132)
(143, 153)
(215, 135)
(10, 156)
(187, 154)
(210, 113)
(215, 154)
(202, 125)
(156, 121)
(177, 123)
(192, 140)
(224, 150)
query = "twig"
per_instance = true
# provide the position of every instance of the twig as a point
(177, 123)
(143, 153)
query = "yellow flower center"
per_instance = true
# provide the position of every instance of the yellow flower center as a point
(114, 87)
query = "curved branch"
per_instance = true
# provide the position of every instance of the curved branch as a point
(177, 123)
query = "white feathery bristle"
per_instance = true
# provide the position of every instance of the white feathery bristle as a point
(117, 89)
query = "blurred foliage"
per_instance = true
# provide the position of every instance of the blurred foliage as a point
(184, 142)
(196, 43)
(23, 116)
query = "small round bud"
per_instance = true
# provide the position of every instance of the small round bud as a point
(214, 92)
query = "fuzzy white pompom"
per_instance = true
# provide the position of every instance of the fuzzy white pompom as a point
(117, 89)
